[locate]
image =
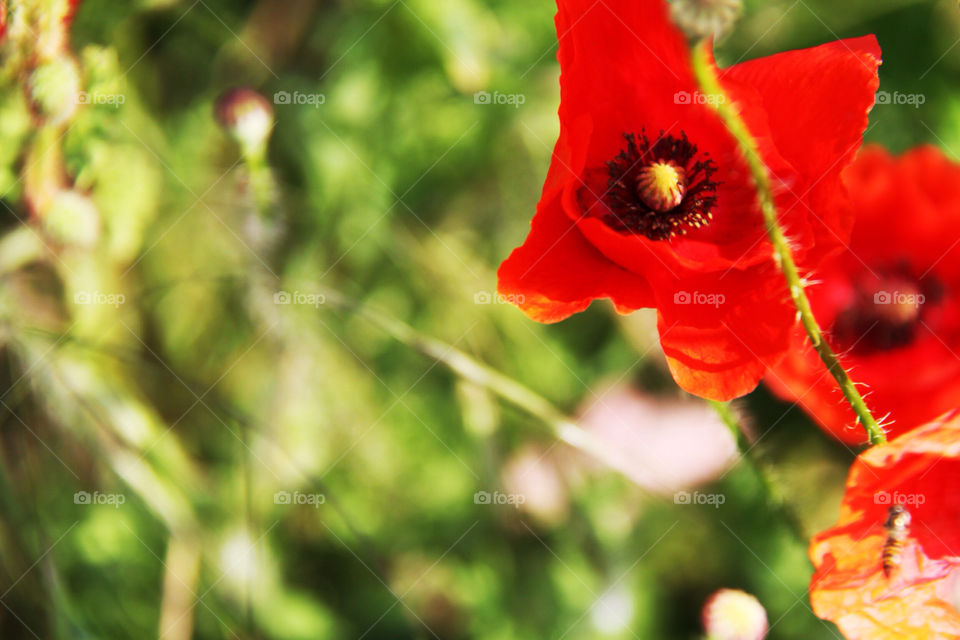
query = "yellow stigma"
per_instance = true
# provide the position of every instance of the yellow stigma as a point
(662, 185)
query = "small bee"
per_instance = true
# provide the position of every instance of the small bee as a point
(898, 528)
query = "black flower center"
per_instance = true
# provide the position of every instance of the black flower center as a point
(887, 312)
(660, 189)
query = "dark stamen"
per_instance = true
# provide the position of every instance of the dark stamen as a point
(658, 190)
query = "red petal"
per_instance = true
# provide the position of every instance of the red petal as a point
(621, 73)
(620, 67)
(908, 213)
(923, 183)
(721, 350)
(918, 599)
(816, 102)
(556, 272)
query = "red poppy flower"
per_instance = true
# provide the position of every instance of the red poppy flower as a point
(891, 303)
(889, 569)
(648, 201)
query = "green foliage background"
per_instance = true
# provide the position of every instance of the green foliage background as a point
(198, 398)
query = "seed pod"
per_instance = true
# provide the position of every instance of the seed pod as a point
(246, 116)
(704, 18)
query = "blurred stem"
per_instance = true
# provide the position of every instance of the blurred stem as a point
(470, 369)
(261, 181)
(160, 480)
(181, 568)
(705, 72)
(43, 173)
(761, 470)
(480, 374)
(249, 520)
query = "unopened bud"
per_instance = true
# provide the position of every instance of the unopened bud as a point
(247, 116)
(731, 614)
(54, 89)
(704, 18)
(72, 219)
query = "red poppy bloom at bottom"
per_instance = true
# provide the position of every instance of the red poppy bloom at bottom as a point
(890, 568)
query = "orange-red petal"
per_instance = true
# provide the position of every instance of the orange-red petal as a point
(920, 470)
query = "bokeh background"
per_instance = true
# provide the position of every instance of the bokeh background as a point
(184, 456)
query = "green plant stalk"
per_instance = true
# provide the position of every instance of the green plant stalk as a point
(762, 471)
(562, 426)
(261, 182)
(709, 83)
(484, 376)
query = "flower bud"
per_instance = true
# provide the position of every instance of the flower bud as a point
(54, 89)
(246, 116)
(72, 219)
(705, 18)
(731, 614)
